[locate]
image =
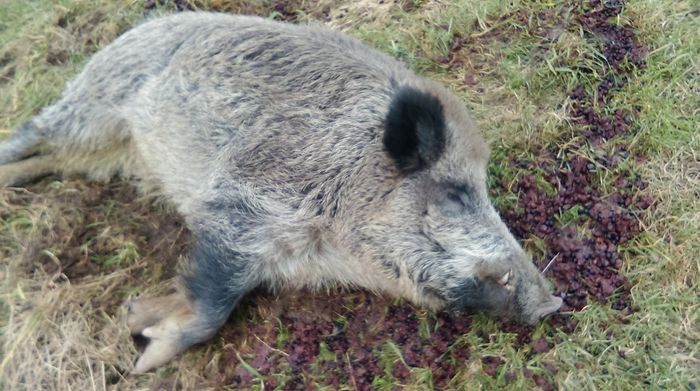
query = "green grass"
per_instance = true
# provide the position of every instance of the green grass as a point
(44, 43)
(125, 255)
(524, 67)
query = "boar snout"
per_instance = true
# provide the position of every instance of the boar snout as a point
(546, 308)
(536, 300)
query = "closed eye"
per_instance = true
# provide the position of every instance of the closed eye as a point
(456, 198)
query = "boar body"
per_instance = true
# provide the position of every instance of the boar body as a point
(299, 157)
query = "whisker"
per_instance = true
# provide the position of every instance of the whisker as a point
(550, 264)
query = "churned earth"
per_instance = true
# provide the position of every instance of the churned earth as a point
(591, 109)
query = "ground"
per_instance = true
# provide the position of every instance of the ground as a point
(592, 110)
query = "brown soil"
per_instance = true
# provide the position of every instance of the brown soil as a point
(98, 219)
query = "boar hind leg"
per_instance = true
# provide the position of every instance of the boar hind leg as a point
(76, 135)
(23, 143)
(26, 170)
(20, 160)
(213, 282)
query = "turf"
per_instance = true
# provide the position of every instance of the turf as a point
(592, 110)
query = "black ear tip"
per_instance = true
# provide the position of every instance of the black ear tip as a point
(415, 129)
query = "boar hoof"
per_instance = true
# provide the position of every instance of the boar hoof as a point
(165, 321)
(166, 341)
(142, 313)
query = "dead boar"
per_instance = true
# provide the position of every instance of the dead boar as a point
(299, 157)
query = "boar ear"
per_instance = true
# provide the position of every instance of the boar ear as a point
(415, 129)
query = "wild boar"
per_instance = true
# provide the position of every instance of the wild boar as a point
(299, 157)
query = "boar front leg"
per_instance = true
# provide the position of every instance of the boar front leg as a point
(212, 283)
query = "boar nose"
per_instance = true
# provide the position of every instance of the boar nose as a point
(549, 307)
(546, 308)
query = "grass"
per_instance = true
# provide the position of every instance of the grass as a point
(520, 61)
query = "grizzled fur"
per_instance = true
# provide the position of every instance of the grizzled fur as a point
(298, 157)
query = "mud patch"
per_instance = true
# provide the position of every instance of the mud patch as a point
(103, 228)
(341, 338)
(581, 224)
